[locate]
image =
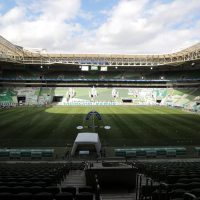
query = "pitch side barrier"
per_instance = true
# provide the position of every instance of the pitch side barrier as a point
(99, 80)
(7, 104)
(104, 104)
(92, 104)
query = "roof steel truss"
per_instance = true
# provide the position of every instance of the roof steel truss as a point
(12, 53)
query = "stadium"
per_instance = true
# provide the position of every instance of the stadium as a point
(101, 126)
(146, 100)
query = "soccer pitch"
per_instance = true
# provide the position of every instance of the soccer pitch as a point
(130, 125)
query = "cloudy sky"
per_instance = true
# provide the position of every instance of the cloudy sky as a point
(101, 26)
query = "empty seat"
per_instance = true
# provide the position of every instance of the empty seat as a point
(12, 184)
(10, 179)
(40, 183)
(17, 189)
(184, 180)
(189, 196)
(52, 189)
(172, 178)
(160, 195)
(35, 189)
(43, 196)
(196, 192)
(196, 179)
(26, 183)
(47, 180)
(69, 189)
(193, 185)
(178, 193)
(84, 196)
(6, 196)
(146, 191)
(34, 179)
(23, 179)
(179, 186)
(23, 196)
(4, 189)
(85, 189)
(64, 196)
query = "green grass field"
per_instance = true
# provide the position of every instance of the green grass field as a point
(130, 125)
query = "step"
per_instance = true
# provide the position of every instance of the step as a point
(118, 196)
(75, 178)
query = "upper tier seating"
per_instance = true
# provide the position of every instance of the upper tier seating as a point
(33, 74)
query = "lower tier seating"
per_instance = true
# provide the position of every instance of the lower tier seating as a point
(170, 180)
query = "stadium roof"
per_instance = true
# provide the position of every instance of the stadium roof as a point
(12, 53)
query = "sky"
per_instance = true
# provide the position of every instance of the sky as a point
(101, 26)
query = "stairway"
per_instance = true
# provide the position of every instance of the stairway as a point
(118, 196)
(75, 178)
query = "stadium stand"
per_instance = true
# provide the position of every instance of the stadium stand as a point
(181, 98)
(40, 181)
(170, 180)
(32, 74)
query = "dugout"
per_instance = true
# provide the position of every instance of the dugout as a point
(21, 100)
(24, 154)
(57, 99)
(150, 152)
